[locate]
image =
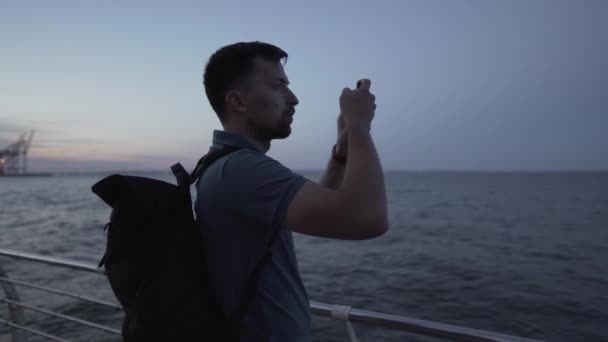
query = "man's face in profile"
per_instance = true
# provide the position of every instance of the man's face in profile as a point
(271, 104)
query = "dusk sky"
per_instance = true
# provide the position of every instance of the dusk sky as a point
(460, 85)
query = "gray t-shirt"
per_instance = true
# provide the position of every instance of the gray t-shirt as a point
(240, 198)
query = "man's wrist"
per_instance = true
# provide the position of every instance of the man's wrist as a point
(359, 128)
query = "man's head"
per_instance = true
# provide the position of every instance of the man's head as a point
(247, 88)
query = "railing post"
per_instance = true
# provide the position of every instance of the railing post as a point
(15, 313)
(341, 312)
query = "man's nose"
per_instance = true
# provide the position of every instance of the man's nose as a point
(293, 99)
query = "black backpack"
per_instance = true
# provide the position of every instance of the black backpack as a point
(154, 259)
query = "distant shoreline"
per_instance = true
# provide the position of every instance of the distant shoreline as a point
(37, 174)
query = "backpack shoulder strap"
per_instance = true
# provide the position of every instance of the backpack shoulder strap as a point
(235, 319)
(185, 179)
(208, 159)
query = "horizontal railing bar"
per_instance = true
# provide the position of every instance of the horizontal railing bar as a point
(66, 317)
(417, 326)
(33, 331)
(63, 293)
(429, 328)
(51, 260)
(401, 323)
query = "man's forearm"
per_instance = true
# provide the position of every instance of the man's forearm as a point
(334, 174)
(363, 177)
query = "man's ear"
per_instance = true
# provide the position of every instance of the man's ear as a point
(236, 100)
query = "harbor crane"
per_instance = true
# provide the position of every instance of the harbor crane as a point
(13, 158)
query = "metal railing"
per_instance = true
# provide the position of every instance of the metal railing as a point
(340, 312)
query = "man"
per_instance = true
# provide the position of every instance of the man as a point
(244, 196)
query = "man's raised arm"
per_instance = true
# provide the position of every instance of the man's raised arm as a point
(358, 209)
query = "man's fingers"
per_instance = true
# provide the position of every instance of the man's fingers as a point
(346, 91)
(364, 84)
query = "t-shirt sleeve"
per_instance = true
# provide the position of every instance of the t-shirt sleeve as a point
(259, 187)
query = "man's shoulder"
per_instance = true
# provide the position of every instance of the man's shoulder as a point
(250, 165)
(241, 158)
(252, 175)
(240, 166)
(245, 156)
(235, 159)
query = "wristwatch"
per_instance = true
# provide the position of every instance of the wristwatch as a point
(338, 158)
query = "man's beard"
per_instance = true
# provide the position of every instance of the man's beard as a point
(280, 130)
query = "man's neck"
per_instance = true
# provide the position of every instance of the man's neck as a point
(263, 146)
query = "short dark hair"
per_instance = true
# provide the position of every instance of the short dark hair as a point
(230, 65)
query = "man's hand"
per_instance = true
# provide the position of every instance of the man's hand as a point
(358, 106)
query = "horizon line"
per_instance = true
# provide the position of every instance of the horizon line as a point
(162, 171)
